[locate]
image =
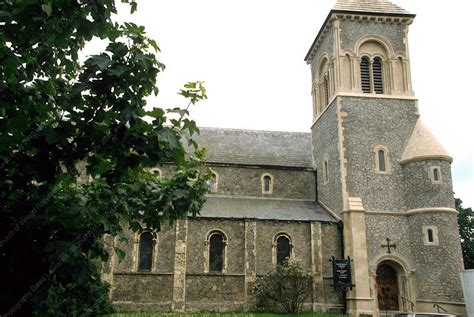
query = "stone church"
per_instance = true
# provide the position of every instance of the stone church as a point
(369, 182)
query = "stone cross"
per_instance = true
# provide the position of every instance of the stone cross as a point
(389, 246)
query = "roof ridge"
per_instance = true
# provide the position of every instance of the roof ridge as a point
(369, 6)
(252, 130)
(261, 198)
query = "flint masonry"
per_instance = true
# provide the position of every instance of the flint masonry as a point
(368, 170)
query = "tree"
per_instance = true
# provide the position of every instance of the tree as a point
(286, 285)
(466, 230)
(57, 112)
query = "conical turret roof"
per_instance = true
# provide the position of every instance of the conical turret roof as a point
(423, 145)
(369, 6)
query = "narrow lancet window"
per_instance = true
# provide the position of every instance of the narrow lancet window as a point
(436, 174)
(267, 184)
(216, 251)
(145, 254)
(382, 167)
(430, 235)
(326, 172)
(365, 74)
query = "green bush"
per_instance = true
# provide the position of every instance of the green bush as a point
(286, 285)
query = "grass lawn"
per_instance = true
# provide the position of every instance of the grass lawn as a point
(236, 314)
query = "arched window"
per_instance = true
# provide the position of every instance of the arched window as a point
(145, 252)
(382, 167)
(323, 77)
(430, 236)
(365, 74)
(216, 252)
(382, 161)
(325, 171)
(267, 184)
(326, 91)
(213, 182)
(283, 249)
(371, 79)
(435, 175)
(377, 75)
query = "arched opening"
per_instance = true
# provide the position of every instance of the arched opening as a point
(213, 182)
(216, 252)
(377, 74)
(387, 287)
(381, 155)
(283, 249)
(145, 253)
(267, 183)
(326, 172)
(365, 74)
(326, 91)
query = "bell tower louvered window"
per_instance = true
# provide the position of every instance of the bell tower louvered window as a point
(371, 75)
(365, 74)
(326, 91)
(377, 73)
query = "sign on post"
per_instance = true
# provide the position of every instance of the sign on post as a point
(341, 273)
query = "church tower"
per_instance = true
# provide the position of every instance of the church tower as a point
(379, 167)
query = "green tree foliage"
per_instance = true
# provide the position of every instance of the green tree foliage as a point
(286, 285)
(466, 230)
(55, 112)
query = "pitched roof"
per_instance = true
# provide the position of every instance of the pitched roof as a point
(369, 6)
(423, 145)
(251, 147)
(264, 209)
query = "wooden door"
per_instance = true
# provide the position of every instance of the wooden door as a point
(387, 288)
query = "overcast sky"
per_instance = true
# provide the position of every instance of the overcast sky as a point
(250, 55)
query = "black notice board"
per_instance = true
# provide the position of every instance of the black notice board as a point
(341, 273)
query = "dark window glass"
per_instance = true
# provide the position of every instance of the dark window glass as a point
(216, 251)
(145, 252)
(377, 73)
(430, 235)
(436, 174)
(326, 171)
(365, 74)
(382, 167)
(283, 249)
(266, 183)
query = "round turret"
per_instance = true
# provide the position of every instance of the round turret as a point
(426, 171)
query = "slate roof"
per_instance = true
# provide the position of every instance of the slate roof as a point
(369, 6)
(253, 147)
(264, 209)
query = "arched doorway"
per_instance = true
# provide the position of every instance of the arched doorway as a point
(387, 287)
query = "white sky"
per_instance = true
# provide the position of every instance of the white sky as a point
(250, 55)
